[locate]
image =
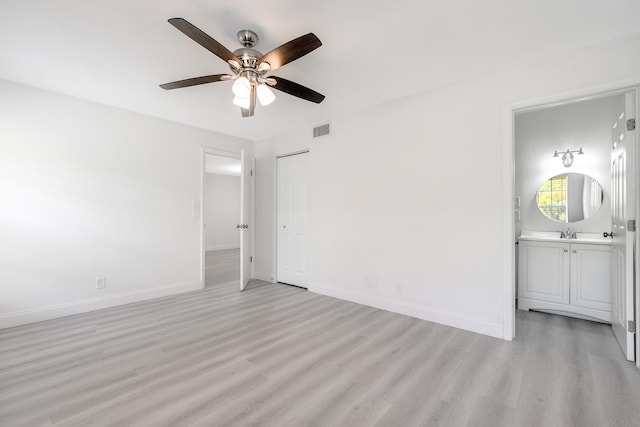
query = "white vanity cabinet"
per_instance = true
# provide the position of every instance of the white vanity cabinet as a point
(591, 277)
(543, 273)
(573, 279)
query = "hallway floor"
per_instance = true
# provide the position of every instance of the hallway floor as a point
(222, 266)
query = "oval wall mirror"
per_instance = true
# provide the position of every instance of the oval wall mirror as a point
(570, 197)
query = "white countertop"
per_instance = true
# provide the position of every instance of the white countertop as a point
(554, 236)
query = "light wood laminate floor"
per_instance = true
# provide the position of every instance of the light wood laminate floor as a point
(222, 266)
(277, 355)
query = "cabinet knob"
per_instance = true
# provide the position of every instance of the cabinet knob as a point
(566, 250)
(574, 251)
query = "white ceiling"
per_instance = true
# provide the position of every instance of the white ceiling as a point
(116, 52)
(223, 165)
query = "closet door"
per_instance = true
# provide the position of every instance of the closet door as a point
(292, 220)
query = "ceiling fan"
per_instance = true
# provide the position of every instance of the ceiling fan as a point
(249, 68)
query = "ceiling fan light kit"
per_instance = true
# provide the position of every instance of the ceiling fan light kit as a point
(265, 95)
(242, 87)
(241, 102)
(249, 67)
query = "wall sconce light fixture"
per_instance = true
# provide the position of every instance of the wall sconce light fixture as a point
(567, 156)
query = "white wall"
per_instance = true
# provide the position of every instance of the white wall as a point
(88, 190)
(221, 211)
(538, 133)
(409, 194)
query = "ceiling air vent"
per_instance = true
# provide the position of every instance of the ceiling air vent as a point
(321, 130)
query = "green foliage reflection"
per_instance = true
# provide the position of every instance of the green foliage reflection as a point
(552, 198)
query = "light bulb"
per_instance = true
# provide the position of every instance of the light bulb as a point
(242, 87)
(567, 159)
(265, 95)
(241, 102)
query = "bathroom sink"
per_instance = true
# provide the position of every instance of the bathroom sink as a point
(593, 238)
(555, 236)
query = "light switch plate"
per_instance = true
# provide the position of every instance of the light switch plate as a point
(196, 208)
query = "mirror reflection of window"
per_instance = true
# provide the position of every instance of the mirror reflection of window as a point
(552, 198)
(570, 197)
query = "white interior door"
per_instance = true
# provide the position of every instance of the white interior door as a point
(623, 210)
(246, 217)
(292, 220)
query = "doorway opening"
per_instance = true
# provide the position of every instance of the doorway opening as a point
(570, 193)
(221, 214)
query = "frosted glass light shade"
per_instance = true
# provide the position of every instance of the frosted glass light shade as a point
(242, 87)
(241, 102)
(265, 95)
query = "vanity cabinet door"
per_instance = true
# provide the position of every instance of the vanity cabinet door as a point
(544, 271)
(591, 276)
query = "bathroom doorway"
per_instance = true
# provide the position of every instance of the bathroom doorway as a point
(568, 198)
(221, 216)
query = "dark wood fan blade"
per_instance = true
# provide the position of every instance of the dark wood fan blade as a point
(295, 89)
(291, 51)
(203, 39)
(195, 81)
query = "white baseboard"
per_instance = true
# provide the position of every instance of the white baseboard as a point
(448, 318)
(24, 317)
(221, 247)
(267, 277)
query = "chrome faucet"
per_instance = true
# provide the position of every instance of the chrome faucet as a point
(568, 234)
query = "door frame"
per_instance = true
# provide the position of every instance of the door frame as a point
(508, 168)
(275, 228)
(203, 171)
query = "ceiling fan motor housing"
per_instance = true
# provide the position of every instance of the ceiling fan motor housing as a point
(248, 56)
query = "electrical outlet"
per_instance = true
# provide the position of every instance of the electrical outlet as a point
(398, 288)
(370, 283)
(101, 282)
